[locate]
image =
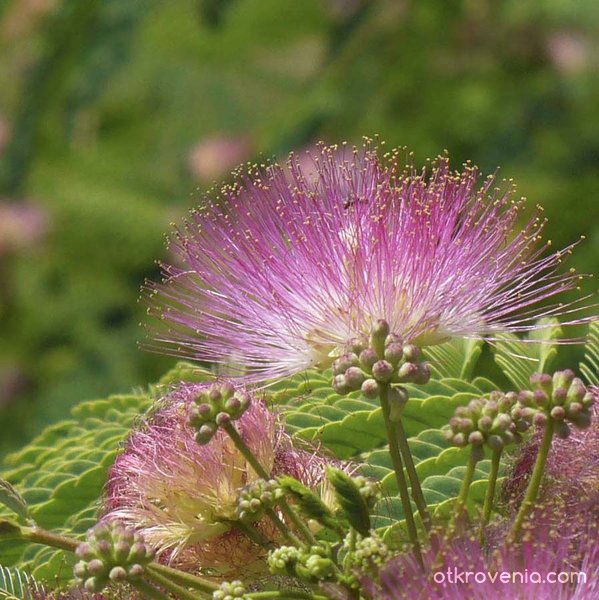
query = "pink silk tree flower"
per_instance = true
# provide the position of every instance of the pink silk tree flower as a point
(551, 566)
(183, 497)
(289, 264)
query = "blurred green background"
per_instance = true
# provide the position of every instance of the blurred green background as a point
(116, 114)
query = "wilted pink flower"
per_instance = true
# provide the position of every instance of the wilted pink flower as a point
(570, 52)
(284, 269)
(216, 156)
(550, 567)
(21, 225)
(182, 496)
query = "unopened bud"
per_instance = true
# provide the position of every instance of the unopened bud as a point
(411, 353)
(476, 438)
(367, 358)
(344, 362)
(371, 389)
(398, 398)
(394, 353)
(354, 377)
(382, 371)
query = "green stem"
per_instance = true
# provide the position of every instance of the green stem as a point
(282, 527)
(261, 472)
(297, 521)
(47, 538)
(148, 591)
(415, 487)
(179, 591)
(399, 474)
(462, 499)
(535, 480)
(245, 451)
(183, 578)
(490, 493)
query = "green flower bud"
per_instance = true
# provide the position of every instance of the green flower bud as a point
(282, 560)
(257, 497)
(397, 398)
(379, 333)
(229, 591)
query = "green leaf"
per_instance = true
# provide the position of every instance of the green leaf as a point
(456, 358)
(13, 500)
(17, 585)
(349, 425)
(589, 367)
(186, 371)
(519, 359)
(350, 500)
(61, 475)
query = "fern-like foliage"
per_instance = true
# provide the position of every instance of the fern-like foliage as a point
(520, 358)
(17, 585)
(589, 367)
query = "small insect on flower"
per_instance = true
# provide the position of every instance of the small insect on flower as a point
(183, 496)
(289, 264)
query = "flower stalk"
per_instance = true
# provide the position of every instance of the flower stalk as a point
(285, 507)
(490, 493)
(532, 491)
(415, 486)
(399, 473)
(179, 591)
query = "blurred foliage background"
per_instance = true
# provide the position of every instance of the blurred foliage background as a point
(116, 114)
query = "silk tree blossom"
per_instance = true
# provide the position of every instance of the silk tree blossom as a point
(554, 565)
(183, 496)
(289, 264)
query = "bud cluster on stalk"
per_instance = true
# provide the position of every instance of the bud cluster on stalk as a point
(370, 489)
(229, 590)
(214, 407)
(369, 553)
(380, 360)
(111, 553)
(311, 564)
(562, 397)
(257, 497)
(495, 422)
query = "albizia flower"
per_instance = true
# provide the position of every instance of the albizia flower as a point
(571, 481)
(180, 494)
(284, 269)
(549, 567)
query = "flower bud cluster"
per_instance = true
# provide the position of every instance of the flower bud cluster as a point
(369, 488)
(312, 564)
(214, 407)
(256, 497)
(495, 422)
(369, 553)
(383, 359)
(562, 397)
(111, 553)
(229, 591)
